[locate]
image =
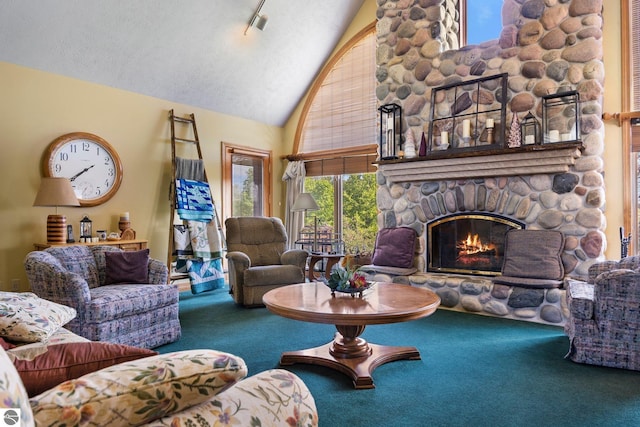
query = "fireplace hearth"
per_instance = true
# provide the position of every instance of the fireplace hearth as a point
(471, 243)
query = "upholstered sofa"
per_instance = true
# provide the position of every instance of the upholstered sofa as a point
(604, 315)
(258, 258)
(120, 297)
(193, 387)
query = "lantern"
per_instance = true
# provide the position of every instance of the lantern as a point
(390, 131)
(561, 117)
(85, 227)
(530, 130)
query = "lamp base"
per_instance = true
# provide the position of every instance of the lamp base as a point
(56, 229)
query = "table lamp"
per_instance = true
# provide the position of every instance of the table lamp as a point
(56, 192)
(305, 202)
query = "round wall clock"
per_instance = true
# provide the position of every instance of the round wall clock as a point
(91, 164)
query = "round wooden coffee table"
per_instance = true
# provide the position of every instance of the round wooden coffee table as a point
(348, 352)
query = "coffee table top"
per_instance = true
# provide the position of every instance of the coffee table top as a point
(382, 303)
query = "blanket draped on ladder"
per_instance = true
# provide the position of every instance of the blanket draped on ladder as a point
(198, 244)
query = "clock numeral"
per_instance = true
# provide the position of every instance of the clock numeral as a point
(98, 191)
(64, 157)
(73, 148)
(86, 146)
(58, 168)
(110, 172)
(107, 160)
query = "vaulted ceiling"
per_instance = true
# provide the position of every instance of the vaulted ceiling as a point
(190, 51)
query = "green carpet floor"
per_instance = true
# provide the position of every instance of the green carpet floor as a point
(475, 370)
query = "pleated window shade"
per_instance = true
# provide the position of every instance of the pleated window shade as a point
(343, 112)
(635, 70)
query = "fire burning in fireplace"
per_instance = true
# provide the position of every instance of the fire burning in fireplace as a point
(468, 243)
(473, 245)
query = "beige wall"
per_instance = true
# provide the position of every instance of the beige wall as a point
(37, 107)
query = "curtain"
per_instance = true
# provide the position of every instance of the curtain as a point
(294, 221)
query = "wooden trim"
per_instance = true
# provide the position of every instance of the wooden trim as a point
(629, 200)
(317, 84)
(228, 150)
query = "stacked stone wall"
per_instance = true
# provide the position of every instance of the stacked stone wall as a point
(543, 45)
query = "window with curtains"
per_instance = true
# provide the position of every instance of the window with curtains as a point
(336, 138)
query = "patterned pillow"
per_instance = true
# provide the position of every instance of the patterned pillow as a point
(139, 391)
(25, 317)
(12, 392)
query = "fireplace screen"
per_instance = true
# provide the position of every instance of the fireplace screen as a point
(468, 243)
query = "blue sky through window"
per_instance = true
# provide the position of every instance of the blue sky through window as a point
(484, 20)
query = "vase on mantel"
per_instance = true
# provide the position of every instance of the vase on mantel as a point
(423, 146)
(514, 132)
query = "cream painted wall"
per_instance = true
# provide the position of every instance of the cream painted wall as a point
(37, 107)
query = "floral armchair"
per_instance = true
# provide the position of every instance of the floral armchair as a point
(191, 387)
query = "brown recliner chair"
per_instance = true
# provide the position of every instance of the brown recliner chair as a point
(258, 258)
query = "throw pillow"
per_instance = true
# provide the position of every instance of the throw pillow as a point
(142, 390)
(64, 362)
(534, 254)
(127, 267)
(395, 247)
(25, 317)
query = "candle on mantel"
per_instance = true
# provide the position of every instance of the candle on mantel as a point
(444, 137)
(124, 216)
(554, 135)
(466, 128)
(489, 124)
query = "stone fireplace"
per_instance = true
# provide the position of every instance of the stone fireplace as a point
(469, 243)
(542, 46)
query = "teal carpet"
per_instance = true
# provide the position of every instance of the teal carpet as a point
(475, 370)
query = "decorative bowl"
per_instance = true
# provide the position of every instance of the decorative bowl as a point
(351, 290)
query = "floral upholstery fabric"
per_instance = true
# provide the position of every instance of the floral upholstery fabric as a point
(30, 351)
(187, 388)
(12, 392)
(139, 391)
(27, 318)
(141, 315)
(271, 398)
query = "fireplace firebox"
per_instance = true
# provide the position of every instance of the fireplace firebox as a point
(471, 243)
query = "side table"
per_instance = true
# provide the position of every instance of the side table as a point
(126, 245)
(332, 259)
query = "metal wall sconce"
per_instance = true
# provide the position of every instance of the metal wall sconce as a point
(561, 117)
(390, 131)
(530, 130)
(257, 20)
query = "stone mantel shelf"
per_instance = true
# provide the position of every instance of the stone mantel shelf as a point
(526, 160)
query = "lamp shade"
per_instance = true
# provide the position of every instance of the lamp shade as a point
(56, 192)
(305, 202)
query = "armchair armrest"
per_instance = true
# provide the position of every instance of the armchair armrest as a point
(51, 281)
(295, 257)
(131, 390)
(158, 272)
(240, 260)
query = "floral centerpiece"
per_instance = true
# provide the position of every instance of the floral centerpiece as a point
(347, 279)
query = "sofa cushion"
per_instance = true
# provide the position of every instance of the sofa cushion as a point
(64, 362)
(266, 275)
(395, 247)
(126, 267)
(12, 392)
(534, 254)
(116, 302)
(25, 317)
(142, 390)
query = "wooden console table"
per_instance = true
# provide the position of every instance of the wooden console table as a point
(127, 245)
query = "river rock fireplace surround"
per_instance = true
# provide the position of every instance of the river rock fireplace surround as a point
(557, 191)
(542, 46)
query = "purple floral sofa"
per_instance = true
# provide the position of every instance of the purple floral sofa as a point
(141, 311)
(185, 388)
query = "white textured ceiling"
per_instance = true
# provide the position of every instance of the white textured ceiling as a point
(188, 51)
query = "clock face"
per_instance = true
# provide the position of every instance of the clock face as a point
(90, 163)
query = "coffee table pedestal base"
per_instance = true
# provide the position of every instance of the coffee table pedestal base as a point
(360, 367)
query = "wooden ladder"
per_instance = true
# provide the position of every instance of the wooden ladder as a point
(188, 121)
